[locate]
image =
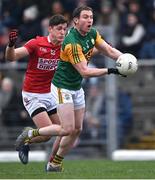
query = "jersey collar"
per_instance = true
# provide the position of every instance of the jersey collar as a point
(78, 33)
(48, 39)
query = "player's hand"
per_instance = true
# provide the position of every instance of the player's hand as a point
(13, 35)
(115, 71)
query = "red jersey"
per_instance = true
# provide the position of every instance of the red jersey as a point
(43, 59)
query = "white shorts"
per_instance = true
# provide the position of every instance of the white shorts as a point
(69, 96)
(34, 101)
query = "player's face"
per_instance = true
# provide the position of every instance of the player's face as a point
(57, 33)
(85, 21)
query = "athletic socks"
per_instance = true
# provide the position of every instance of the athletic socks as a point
(33, 133)
(57, 160)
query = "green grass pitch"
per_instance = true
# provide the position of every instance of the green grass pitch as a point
(81, 169)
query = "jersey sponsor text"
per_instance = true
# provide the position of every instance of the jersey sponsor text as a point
(47, 64)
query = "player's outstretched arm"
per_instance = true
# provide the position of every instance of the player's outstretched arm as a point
(87, 72)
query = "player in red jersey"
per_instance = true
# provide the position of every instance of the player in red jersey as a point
(43, 55)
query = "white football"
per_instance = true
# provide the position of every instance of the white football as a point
(127, 64)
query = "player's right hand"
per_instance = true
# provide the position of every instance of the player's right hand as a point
(13, 35)
(115, 71)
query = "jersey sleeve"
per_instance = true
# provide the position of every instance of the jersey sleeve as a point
(73, 53)
(31, 46)
(99, 39)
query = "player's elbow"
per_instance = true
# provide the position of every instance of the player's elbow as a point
(84, 73)
(85, 76)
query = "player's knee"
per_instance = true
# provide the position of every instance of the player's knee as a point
(64, 131)
(69, 130)
(73, 131)
(77, 131)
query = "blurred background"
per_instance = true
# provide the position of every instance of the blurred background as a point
(120, 112)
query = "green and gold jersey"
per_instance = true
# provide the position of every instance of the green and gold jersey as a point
(75, 49)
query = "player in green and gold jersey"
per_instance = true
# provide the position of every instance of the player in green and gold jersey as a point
(76, 52)
(77, 49)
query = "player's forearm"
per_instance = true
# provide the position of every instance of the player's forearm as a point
(94, 72)
(113, 53)
(10, 54)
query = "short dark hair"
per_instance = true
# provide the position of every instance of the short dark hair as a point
(57, 19)
(77, 11)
